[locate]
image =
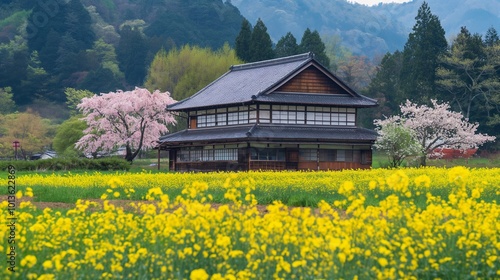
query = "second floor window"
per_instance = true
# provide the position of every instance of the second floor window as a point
(276, 114)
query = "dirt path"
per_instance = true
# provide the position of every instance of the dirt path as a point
(125, 204)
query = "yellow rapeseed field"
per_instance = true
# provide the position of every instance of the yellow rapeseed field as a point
(456, 236)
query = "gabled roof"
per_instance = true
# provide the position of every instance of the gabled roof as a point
(258, 81)
(260, 132)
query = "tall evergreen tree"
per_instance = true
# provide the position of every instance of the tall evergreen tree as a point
(71, 22)
(242, 45)
(491, 38)
(287, 46)
(469, 79)
(7, 105)
(36, 83)
(426, 43)
(14, 58)
(61, 39)
(78, 24)
(385, 87)
(131, 54)
(261, 46)
(311, 42)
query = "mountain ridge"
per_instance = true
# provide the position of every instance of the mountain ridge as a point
(367, 30)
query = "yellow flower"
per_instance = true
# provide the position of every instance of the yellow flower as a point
(29, 192)
(198, 274)
(46, 277)
(28, 261)
(299, 263)
(398, 181)
(383, 262)
(423, 180)
(47, 264)
(458, 175)
(476, 193)
(346, 188)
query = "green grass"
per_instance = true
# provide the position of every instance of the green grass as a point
(380, 160)
(289, 195)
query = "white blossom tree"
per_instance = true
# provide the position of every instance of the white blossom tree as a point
(133, 119)
(398, 142)
(437, 126)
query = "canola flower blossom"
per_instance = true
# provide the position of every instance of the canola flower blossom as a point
(186, 237)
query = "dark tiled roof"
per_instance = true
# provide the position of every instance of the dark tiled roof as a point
(317, 99)
(207, 134)
(242, 81)
(254, 81)
(313, 133)
(271, 132)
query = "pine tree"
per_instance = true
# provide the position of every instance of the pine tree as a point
(426, 43)
(36, 83)
(7, 105)
(491, 38)
(287, 46)
(242, 45)
(468, 77)
(78, 24)
(385, 87)
(261, 46)
(72, 22)
(131, 55)
(311, 42)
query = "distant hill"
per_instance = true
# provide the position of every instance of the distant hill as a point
(367, 30)
(207, 23)
(100, 45)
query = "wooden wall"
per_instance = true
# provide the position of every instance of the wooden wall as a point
(311, 80)
(210, 166)
(267, 165)
(292, 163)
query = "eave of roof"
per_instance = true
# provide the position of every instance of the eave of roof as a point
(317, 99)
(270, 132)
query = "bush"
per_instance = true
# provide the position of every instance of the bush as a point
(105, 164)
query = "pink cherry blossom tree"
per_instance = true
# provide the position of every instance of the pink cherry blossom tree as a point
(437, 126)
(133, 119)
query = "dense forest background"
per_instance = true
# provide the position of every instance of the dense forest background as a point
(99, 45)
(364, 30)
(54, 52)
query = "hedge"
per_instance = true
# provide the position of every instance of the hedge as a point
(55, 164)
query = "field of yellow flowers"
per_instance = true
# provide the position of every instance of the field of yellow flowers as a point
(426, 223)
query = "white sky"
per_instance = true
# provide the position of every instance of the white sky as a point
(375, 2)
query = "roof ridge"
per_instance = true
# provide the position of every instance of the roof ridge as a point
(274, 61)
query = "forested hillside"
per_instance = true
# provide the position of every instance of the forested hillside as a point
(47, 46)
(364, 30)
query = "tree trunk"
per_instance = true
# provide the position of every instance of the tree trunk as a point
(129, 156)
(423, 160)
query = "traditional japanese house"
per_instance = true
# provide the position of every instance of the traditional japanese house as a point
(288, 113)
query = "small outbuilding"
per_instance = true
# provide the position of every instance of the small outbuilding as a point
(288, 113)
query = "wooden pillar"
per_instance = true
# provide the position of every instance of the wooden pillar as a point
(249, 154)
(317, 158)
(159, 150)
